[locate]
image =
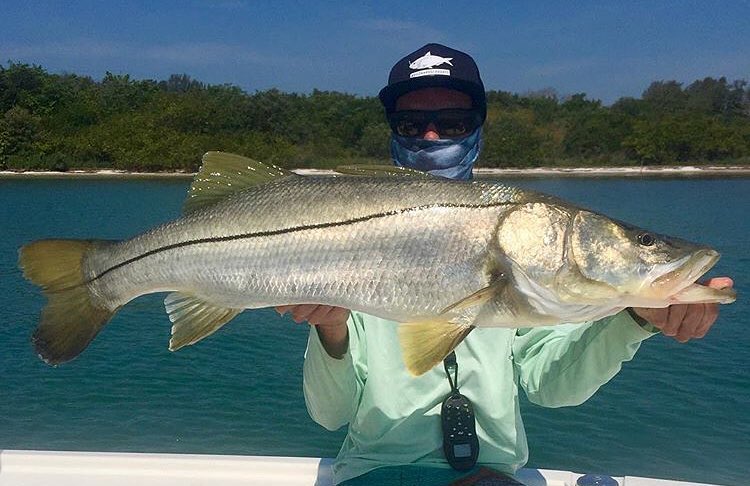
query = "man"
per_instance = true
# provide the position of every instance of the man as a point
(353, 372)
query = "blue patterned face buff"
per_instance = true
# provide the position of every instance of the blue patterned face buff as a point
(449, 158)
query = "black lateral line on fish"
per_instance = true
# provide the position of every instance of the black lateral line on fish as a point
(260, 234)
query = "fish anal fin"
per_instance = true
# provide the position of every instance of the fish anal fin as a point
(194, 319)
(426, 343)
(223, 174)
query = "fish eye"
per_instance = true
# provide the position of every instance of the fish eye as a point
(646, 239)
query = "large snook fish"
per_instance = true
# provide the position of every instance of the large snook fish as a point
(441, 256)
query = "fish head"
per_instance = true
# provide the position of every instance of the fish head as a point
(608, 259)
(558, 254)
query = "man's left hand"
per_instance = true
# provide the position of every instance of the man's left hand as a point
(684, 322)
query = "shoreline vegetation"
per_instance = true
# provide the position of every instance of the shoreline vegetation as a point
(645, 171)
(68, 122)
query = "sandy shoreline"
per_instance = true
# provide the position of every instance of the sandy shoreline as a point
(646, 171)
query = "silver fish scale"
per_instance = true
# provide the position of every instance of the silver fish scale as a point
(395, 247)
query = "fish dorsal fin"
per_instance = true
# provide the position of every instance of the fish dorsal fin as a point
(193, 318)
(223, 174)
(380, 171)
(426, 343)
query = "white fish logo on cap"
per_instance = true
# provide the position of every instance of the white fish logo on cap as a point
(429, 61)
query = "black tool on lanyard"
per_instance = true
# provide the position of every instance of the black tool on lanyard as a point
(460, 442)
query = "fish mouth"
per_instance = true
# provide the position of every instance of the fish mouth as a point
(678, 286)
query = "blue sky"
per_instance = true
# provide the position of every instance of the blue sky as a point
(605, 49)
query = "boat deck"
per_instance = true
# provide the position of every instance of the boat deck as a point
(42, 468)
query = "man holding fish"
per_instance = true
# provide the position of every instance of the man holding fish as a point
(513, 288)
(354, 373)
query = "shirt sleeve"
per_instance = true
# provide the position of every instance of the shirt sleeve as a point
(333, 387)
(564, 365)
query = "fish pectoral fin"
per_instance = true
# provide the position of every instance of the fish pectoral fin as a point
(511, 308)
(380, 171)
(477, 298)
(223, 174)
(193, 318)
(426, 343)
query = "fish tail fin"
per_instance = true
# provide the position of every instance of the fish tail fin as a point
(72, 317)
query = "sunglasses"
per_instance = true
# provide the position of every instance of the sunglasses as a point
(451, 123)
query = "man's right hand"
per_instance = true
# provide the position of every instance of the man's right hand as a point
(329, 322)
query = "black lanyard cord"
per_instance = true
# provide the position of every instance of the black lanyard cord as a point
(450, 362)
(460, 441)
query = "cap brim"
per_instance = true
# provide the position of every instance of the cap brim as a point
(391, 93)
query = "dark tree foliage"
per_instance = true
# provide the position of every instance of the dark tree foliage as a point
(60, 121)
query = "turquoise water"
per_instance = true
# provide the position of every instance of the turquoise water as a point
(678, 411)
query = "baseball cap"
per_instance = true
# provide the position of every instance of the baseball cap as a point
(435, 65)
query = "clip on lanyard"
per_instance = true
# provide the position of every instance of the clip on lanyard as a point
(451, 366)
(460, 442)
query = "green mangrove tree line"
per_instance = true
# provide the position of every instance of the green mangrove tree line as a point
(61, 121)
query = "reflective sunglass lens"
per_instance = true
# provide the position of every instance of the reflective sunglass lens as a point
(447, 123)
(452, 128)
(407, 128)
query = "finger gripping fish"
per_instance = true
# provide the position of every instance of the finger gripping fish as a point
(440, 256)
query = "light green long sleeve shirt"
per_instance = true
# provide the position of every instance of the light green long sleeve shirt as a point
(394, 418)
